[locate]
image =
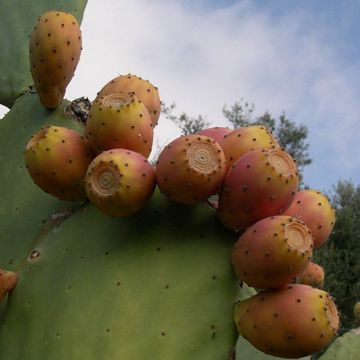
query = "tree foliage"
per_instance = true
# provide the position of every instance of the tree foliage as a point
(187, 124)
(340, 255)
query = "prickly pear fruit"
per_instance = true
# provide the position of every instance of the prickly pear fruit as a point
(357, 311)
(119, 121)
(55, 47)
(241, 140)
(314, 209)
(134, 85)
(190, 169)
(291, 322)
(272, 252)
(260, 184)
(217, 133)
(119, 182)
(8, 280)
(57, 159)
(313, 275)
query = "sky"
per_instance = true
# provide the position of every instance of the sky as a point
(297, 57)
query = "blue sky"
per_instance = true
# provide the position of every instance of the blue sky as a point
(301, 57)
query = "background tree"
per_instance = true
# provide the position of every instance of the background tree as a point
(187, 124)
(341, 253)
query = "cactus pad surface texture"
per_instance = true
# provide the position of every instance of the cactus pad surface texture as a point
(345, 347)
(157, 284)
(17, 19)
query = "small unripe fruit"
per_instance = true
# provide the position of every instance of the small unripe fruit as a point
(313, 275)
(8, 280)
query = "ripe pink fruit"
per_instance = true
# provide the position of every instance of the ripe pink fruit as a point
(55, 47)
(134, 85)
(190, 169)
(244, 139)
(261, 183)
(272, 252)
(291, 322)
(57, 159)
(216, 133)
(314, 209)
(119, 182)
(119, 121)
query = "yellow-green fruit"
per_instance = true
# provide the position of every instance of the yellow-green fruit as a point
(238, 142)
(357, 311)
(55, 47)
(146, 92)
(119, 182)
(291, 322)
(119, 121)
(57, 159)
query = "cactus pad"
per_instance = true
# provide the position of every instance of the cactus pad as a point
(346, 347)
(159, 282)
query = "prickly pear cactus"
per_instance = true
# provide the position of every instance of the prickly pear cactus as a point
(81, 285)
(90, 286)
(345, 347)
(17, 18)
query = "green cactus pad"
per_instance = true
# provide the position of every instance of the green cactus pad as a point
(17, 19)
(156, 285)
(345, 347)
(25, 210)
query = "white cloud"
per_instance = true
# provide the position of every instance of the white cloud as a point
(3, 111)
(203, 58)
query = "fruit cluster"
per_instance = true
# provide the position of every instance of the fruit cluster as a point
(244, 174)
